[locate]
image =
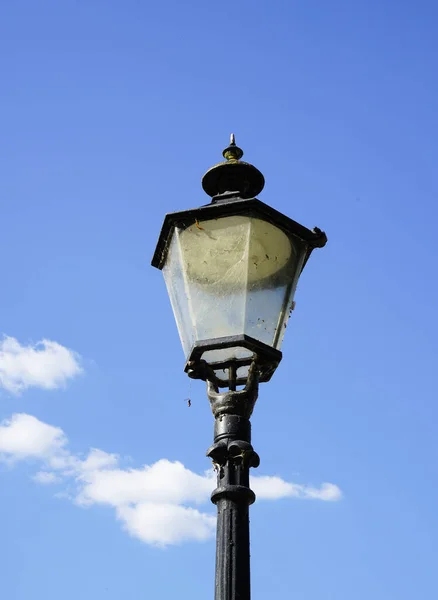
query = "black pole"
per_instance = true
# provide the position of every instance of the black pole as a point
(232, 456)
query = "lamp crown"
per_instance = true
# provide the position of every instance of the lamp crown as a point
(233, 176)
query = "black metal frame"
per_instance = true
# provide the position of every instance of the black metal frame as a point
(268, 359)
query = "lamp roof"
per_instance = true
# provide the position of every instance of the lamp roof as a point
(252, 207)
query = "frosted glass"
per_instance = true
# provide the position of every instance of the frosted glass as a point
(230, 276)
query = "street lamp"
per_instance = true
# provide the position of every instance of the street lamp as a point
(231, 268)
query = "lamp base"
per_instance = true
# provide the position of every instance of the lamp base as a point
(267, 359)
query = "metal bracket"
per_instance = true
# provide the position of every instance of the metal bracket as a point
(235, 402)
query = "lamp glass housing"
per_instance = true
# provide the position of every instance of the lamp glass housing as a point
(229, 276)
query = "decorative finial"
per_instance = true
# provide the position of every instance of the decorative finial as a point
(233, 176)
(233, 152)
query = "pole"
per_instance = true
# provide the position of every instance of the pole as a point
(233, 456)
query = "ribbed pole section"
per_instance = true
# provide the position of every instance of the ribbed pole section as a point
(232, 552)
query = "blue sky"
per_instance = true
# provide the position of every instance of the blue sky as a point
(111, 112)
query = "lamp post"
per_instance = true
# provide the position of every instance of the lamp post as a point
(231, 268)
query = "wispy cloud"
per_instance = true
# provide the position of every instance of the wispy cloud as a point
(46, 365)
(273, 488)
(160, 504)
(46, 477)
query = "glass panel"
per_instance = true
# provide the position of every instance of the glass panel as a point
(178, 294)
(215, 259)
(230, 276)
(269, 298)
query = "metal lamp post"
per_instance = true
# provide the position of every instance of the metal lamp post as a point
(231, 268)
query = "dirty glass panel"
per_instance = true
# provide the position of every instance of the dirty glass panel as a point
(230, 276)
(177, 289)
(215, 259)
(269, 297)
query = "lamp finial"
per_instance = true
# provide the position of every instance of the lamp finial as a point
(233, 175)
(232, 152)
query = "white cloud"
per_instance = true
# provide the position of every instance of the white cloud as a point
(24, 436)
(165, 524)
(163, 482)
(97, 460)
(273, 488)
(153, 501)
(47, 365)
